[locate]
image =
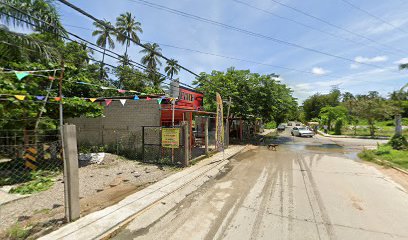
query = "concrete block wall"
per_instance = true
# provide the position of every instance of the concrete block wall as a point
(119, 123)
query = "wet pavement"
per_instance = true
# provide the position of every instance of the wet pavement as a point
(310, 188)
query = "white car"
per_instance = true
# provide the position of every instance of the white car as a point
(302, 132)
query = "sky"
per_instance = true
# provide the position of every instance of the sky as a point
(332, 45)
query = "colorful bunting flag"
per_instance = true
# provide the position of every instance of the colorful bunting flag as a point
(20, 97)
(51, 78)
(57, 99)
(104, 88)
(148, 99)
(132, 91)
(108, 101)
(121, 90)
(159, 100)
(136, 98)
(21, 75)
(123, 101)
(92, 99)
(40, 97)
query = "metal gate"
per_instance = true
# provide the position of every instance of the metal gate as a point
(153, 150)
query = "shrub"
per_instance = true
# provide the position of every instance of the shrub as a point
(367, 155)
(398, 142)
(270, 125)
(338, 126)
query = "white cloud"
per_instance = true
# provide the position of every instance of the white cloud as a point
(376, 59)
(319, 71)
(402, 61)
(354, 66)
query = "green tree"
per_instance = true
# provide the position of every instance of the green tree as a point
(373, 110)
(253, 95)
(330, 114)
(152, 60)
(313, 105)
(172, 68)
(104, 39)
(128, 28)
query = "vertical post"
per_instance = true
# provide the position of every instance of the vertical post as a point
(186, 144)
(206, 135)
(143, 144)
(226, 134)
(71, 180)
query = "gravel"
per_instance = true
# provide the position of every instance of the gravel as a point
(95, 178)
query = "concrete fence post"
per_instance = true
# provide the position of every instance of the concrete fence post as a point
(71, 180)
(206, 136)
(186, 144)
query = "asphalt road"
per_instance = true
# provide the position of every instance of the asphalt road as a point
(310, 188)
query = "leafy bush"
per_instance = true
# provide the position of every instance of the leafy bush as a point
(368, 155)
(270, 125)
(42, 180)
(398, 142)
(338, 126)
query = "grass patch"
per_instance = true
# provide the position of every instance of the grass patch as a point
(17, 232)
(386, 153)
(42, 180)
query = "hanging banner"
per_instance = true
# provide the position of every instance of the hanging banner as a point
(123, 101)
(170, 137)
(219, 125)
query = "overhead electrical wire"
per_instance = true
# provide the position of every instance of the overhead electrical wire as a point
(397, 50)
(247, 32)
(336, 36)
(138, 65)
(118, 32)
(373, 16)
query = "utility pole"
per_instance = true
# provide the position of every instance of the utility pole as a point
(227, 124)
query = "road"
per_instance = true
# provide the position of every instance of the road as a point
(309, 188)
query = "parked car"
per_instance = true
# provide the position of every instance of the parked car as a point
(289, 124)
(301, 132)
(281, 127)
(297, 124)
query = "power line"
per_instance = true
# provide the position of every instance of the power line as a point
(250, 33)
(118, 32)
(372, 15)
(337, 26)
(305, 25)
(140, 66)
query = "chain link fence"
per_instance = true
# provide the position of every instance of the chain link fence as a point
(31, 182)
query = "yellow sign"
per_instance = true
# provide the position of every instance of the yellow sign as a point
(170, 137)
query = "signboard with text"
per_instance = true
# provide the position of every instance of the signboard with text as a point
(170, 137)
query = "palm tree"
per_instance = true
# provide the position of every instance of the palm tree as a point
(17, 44)
(104, 38)
(403, 66)
(128, 27)
(172, 68)
(151, 60)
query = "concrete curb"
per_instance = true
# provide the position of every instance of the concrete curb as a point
(356, 137)
(103, 223)
(391, 165)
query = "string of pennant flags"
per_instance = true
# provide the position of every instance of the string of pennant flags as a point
(22, 74)
(58, 99)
